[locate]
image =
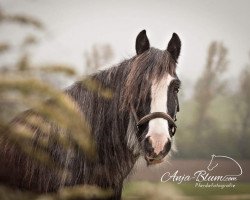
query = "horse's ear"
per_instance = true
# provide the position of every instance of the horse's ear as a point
(174, 46)
(142, 42)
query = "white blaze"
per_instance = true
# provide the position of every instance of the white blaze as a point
(158, 128)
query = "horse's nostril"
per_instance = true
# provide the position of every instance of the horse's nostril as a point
(148, 146)
(149, 140)
(166, 149)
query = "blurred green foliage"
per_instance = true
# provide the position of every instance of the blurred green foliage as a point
(67, 193)
(160, 191)
(216, 119)
(24, 86)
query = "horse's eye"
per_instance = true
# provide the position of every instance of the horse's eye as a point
(172, 131)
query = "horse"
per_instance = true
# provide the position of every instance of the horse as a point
(138, 121)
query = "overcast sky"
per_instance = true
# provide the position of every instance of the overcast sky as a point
(74, 26)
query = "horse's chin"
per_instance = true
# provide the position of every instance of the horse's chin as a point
(153, 161)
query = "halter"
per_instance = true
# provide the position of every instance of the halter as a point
(151, 116)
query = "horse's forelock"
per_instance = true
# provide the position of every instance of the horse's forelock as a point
(150, 66)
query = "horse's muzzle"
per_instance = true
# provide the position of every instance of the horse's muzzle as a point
(156, 150)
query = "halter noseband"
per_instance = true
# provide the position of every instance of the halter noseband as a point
(151, 116)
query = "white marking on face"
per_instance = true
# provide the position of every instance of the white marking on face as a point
(158, 128)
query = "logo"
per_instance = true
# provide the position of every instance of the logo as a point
(206, 177)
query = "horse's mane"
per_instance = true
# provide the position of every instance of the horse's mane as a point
(130, 83)
(132, 78)
(152, 65)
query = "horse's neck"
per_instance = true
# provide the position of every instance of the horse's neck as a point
(99, 98)
(108, 123)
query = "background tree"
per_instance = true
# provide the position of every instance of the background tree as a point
(209, 85)
(199, 128)
(242, 111)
